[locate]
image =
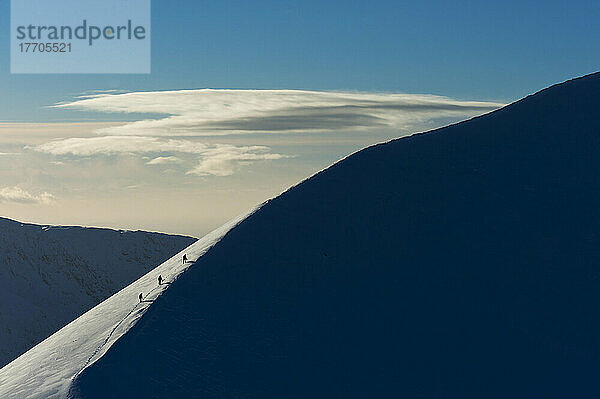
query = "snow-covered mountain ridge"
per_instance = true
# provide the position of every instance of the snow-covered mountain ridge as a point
(53, 274)
(458, 263)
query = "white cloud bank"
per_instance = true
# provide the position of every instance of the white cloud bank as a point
(209, 112)
(18, 195)
(213, 159)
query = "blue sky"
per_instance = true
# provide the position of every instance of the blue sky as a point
(185, 161)
(484, 50)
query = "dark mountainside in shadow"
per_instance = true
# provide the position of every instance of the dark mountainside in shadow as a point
(460, 263)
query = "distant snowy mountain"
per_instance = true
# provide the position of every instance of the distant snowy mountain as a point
(50, 275)
(459, 263)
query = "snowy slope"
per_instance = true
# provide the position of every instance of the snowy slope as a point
(51, 275)
(46, 370)
(461, 263)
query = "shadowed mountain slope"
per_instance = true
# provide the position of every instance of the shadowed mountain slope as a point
(460, 263)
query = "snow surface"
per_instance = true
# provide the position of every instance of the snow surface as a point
(46, 371)
(52, 274)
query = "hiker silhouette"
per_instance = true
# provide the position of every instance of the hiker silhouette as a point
(160, 279)
(184, 258)
(141, 297)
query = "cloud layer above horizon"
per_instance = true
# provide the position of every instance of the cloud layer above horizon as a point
(210, 112)
(180, 122)
(214, 159)
(16, 194)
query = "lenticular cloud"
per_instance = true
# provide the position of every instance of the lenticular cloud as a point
(209, 112)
